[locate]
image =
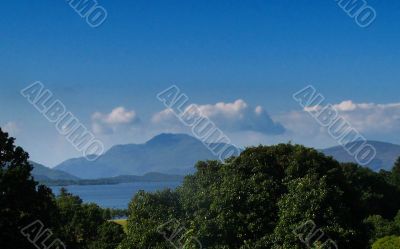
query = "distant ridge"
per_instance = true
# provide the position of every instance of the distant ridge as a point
(41, 172)
(149, 177)
(173, 154)
(176, 154)
(386, 155)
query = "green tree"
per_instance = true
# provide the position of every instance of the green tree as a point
(83, 225)
(196, 196)
(153, 217)
(374, 194)
(312, 203)
(395, 176)
(396, 220)
(260, 198)
(244, 203)
(257, 199)
(380, 227)
(390, 242)
(22, 201)
(109, 236)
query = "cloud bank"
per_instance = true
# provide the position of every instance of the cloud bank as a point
(369, 117)
(251, 125)
(230, 117)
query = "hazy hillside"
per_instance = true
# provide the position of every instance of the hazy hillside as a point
(41, 172)
(177, 153)
(165, 153)
(386, 155)
(149, 177)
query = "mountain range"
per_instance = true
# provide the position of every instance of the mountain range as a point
(165, 153)
(386, 154)
(175, 154)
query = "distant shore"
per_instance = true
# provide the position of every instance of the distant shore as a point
(151, 177)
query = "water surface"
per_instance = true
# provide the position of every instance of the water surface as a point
(114, 196)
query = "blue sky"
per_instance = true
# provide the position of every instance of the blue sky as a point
(260, 52)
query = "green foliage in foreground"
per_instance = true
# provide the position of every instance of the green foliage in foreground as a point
(263, 199)
(23, 202)
(390, 242)
(380, 227)
(84, 225)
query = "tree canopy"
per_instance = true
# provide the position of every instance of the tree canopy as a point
(390, 242)
(22, 201)
(24, 204)
(260, 198)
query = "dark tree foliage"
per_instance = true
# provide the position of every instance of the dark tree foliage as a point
(395, 174)
(375, 194)
(109, 236)
(83, 225)
(151, 215)
(258, 200)
(380, 227)
(22, 201)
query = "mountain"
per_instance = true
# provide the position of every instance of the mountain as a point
(41, 172)
(165, 153)
(386, 155)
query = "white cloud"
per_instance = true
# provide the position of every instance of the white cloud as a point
(108, 123)
(369, 117)
(230, 117)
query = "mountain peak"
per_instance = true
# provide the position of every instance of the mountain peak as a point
(166, 153)
(170, 138)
